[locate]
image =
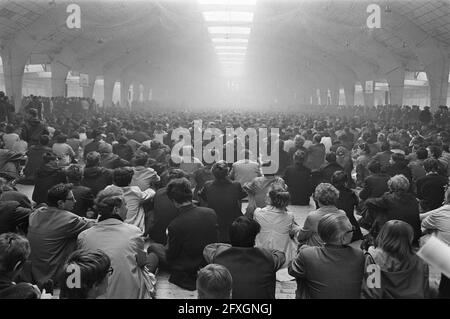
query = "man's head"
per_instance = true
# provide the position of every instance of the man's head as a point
(326, 194)
(179, 191)
(335, 229)
(74, 174)
(299, 141)
(93, 159)
(61, 196)
(422, 153)
(220, 170)
(331, 157)
(44, 140)
(431, 165)
(243, 232)
(122, 176)
(214, 282)
(374, 166)
(14, 252)
(105, 148)
(141, 159)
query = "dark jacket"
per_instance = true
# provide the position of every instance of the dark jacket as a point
(253, 269)
(299, 182)
(164, 212)
(348, 201)
(375, 185)
(383, 158)
(13, 217)
(84, 200)
(35, 160)
(315, 156)
(32, 131)
(392, 205)
(431, 190)
(47, 176)
(328, 170)
(124, 151)
(96, 178)
(400, 168)
(23, 290)
(112, 161)
(189, 233)
(224, 196)
(91, 147)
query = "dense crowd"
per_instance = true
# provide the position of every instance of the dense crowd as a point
(110, 199)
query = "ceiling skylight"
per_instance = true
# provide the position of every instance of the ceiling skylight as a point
(228, 16)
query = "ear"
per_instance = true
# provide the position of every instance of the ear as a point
(60, 203)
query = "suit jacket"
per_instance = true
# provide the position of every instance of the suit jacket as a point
(189, 233)
(13, 216)
(34, 161)
(299, 182)
(328, 170)
(375, 185)
(47, 176)
(252, 269)
(84, 200)
(164, 213)
(431, 190)
(225, 198)
(96, 178)
(52, 233)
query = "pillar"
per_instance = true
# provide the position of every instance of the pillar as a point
(88, 91)
(14, 60)
(59, 75)
(108, 87)
(323, 96)
(437, 74)
(136, 91)
(396, 82)
(146, 93)
(335, 96)
(349, 90)
(124, 89)
(369, 98)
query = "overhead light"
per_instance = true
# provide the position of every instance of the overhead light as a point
(228, 16)
(230, 47)
(229, 40)
(227, 2)
(231, 53)
(229, 30)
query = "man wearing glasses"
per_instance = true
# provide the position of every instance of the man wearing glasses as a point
(52, 233)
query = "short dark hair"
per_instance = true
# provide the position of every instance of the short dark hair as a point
(339, 178)
(44, 140)
(243, 232)
(220, 170)
(385, 146)
(122, 176)
(435, 151)
(279, 196)
(179, 190)
(74, 173)
(398, 157)
(141, 159)
(14, 248)
(299, 156)
(431, 165)
(92, 159)
(422, 153)
(62, 138)
(175, 173)
(214, 282)
(94, 267)
(57, 193)
(374, 166)
(331, 157)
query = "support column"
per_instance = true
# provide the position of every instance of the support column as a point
(108, 87)
(437, 74)
(323, 96)
(14, 60)
(124, 89)
(396, 82)
(335, 96)
(59, 75)
(88, 91)
(349, 90)
(146, 93)
(136, 91)
(315, 98)
(369, 98)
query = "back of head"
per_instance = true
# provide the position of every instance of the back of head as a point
(422, 153)
(61, 138)
(44, 140)
(49, 157)
(331, 157)
(179, 190)
(339, 179)
(220, 170)
(333, 227)
(398, 183)
(214, 282)
(92, 159)
(93, 267)
(279, 196)
(141, 159)
(317, 138)
(431, 165)
(299, 157)
(326, 194)
(108, 201)
(385, 146)
(105, 148)
(395, 238)
(398, 158)
(374, 166)
(74, 173)
(243, 232)
(175, 173)
(14, 251)
(122, 176)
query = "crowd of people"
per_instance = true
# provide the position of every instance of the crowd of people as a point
(111, 203)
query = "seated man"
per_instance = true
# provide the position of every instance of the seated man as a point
(253, 269)
(84, 198)
(214, 282)
(52, 233)
(188, 234)
(94, 176)
(35, 159)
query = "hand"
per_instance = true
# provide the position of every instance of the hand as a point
(45, 295)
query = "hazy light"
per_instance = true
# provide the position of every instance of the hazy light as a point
(229, 30)
(228, 16)
(228, 2)
(229, 47)
(229, 40)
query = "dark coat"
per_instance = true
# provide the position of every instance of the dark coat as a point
(224, 197)
(47, 176)
(96, 178)
(189, 233)
(299, 182)
(431, 190)
(328, 170)
(124, 151)
(164, 212)
(12, 217)
(84, 200)
(35, 160)
(374, 186)
(112, 161)
(32, 131)
(348, 201)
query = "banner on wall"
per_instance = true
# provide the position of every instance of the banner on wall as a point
(369, 87)
(84, 80)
